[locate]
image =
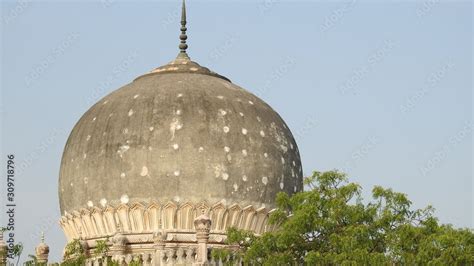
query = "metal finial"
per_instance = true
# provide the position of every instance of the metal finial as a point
(42, 237)
(183, 37)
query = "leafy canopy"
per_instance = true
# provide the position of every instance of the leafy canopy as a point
(329, 224)
(74, 254)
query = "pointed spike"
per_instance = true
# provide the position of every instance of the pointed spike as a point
(183, 46)
(183, 13)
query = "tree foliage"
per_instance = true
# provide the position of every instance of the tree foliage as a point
(329, 224)
(101, 249)
(33, 261)
(16, 250)
(74, 254)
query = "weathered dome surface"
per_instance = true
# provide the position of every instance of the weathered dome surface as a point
(180, 133)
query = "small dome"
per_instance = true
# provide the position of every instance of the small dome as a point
(181, 133)
(42, 250)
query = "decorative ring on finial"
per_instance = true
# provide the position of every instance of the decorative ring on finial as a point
(183, 37)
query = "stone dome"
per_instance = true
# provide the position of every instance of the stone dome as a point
(179, 133)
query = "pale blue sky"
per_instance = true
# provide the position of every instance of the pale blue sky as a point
(380, 90)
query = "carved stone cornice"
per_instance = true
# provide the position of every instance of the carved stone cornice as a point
(142, 222)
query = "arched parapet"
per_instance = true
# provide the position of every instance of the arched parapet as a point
(234, 216)
(202, 208)
(78, 222)
(139, 220)
(137, 217)
(218, 217)
(168, 215)
(248, 215)
(185, 216)
(123, 216)
(97, 216)
(260, 220)
(153, 214)
(109, 219)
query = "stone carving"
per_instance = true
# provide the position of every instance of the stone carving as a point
(154, 233)
(119, 240)
(147, 218)
(202, 224)
(159, 237)
(119, 243)
(203, 227)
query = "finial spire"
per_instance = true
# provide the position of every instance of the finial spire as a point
(42, 237)
(183, 37)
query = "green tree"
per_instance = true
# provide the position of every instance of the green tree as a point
(74, 254)
(135, 263)
(329, 224)
(101, 249)
(33, 261)
(17, 249)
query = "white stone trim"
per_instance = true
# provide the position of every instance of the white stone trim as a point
(143, 219)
